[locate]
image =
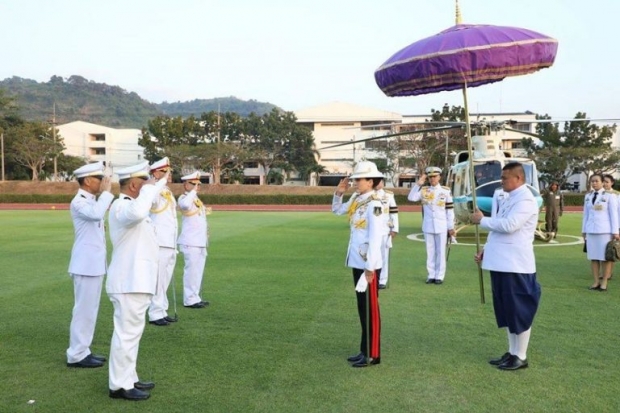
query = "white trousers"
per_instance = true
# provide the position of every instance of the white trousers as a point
(195, 259)
(385, 255)
(129, 321)
(87, 293)
(159, 306)
(436, 255)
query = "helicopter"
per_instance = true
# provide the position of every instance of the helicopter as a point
(487, 162)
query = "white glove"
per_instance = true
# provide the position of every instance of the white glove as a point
(362, 284)
(453, 240)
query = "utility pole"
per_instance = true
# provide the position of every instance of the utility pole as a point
(2, 152)
(219, 128)
(54, 135)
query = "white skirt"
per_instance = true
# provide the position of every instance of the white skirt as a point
(596, 244)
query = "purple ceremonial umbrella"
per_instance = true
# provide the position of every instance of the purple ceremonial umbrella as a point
(461, 56)
(465, 55)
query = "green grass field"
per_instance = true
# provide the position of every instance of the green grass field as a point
(282, 321)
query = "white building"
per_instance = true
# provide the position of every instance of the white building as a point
(118, 147)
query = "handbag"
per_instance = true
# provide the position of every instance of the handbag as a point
(612, 251)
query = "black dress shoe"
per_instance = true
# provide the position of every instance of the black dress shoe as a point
(144, 385)
(355, 358)
(205, 303)
(513, 363)
(200, 304)
(131, 394)
(87, 363)
(438, 282)
(171, 319)
(595, 287)
(430, 281)
(98, 357)
(382, 286)
(504, 358)
(160, 322)
(365, 362)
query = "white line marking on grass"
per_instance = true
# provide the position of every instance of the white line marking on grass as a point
(419, 237)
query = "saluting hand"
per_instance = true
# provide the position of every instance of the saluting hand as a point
(106, 184)
(343, 185)
(421, 180)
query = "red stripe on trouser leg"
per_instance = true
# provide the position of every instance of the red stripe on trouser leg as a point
(375, 319)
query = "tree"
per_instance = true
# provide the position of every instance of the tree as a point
(581, 147)
(33, 146)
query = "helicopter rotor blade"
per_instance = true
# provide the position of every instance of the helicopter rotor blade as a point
(522, 132)
(391, 135)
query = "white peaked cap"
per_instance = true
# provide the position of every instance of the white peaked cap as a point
(136, 171)
(194, 176)
(92, 169)
(433, 170)
(162, 163)
(366, 169)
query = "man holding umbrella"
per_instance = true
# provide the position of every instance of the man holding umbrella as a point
(509, 256)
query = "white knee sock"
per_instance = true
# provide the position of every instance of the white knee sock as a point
(512, 342)
(523, 341)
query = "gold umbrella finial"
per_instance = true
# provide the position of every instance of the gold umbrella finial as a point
(459, 19)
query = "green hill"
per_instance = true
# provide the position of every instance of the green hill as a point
(231, 104)
(77, 98)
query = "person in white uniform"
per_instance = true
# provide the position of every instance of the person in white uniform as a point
(367, 219)
(193, 241)
(132, 276)
(509, 256)
(164, 216)
(88, 261)
(391, 229)
(437, 221)
(599, 226)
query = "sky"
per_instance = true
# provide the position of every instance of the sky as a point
(298, 54)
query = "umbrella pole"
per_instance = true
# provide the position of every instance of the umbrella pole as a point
(472, 184)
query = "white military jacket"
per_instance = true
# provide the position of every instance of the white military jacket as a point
(390, 208)
(509, 246)
(437, 205)
(164, 216)
(368, 220)
(600, 217)
(135, 254)
(88, 256)
(194, 227)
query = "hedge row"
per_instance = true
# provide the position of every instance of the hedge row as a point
(280, 199)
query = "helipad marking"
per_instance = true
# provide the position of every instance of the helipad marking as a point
(553, 243)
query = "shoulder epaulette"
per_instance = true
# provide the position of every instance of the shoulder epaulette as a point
(388, 192)
(375, 197)
(446, 187)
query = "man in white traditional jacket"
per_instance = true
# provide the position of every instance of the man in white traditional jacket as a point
(509, 255)
(88, 261)
(437, 221)
(193, 241)
(132, 276)
(164, 216)
(391, 229)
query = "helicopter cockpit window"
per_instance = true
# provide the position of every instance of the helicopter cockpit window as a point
(487, 172)
(528, 168)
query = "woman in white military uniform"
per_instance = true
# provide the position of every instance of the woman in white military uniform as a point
(132, 276)
(193, 241)
(367, 219)
(437, 221)
(88, 261)
(164, 216)
(599, 226)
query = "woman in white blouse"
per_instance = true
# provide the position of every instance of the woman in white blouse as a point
(600, 225)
